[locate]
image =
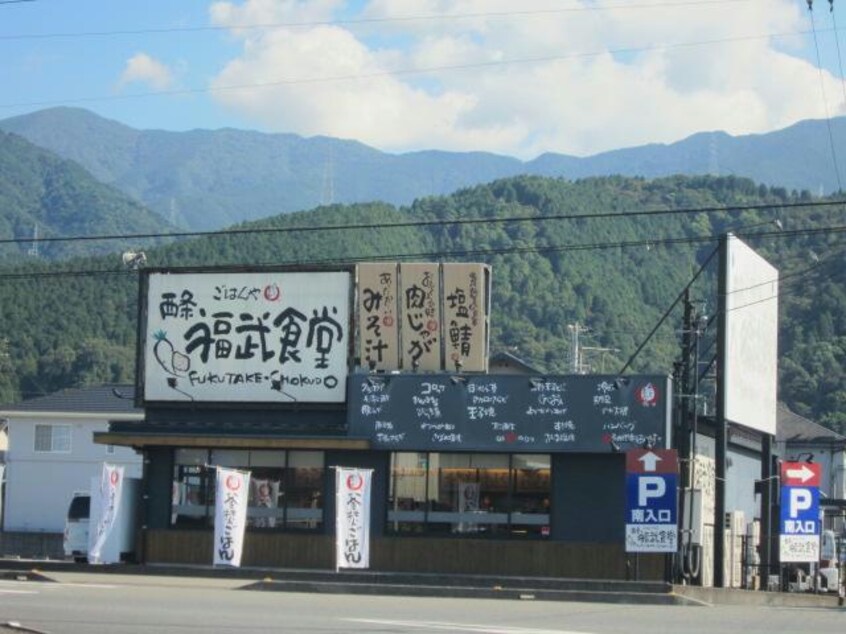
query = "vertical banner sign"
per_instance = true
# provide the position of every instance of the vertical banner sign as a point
(465, 319)
(799, 523)
(230, 515)
(109, 491)
(378, 325)
(352, 518)
(651, 500)
(421, 317)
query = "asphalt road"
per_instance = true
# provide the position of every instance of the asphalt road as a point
(90, 604)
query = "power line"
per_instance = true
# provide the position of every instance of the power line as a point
(366, 21)
(825, 98)
(400, 71)
(537, 249)
(440, 222)
(839, 56)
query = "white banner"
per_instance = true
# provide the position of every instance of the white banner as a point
(109, 493)
(230, 515)
(352, 518)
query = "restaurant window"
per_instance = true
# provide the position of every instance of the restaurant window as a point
(285, 487)
(190, 497)
(470, 494)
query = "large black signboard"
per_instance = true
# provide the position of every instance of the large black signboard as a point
(566, 413)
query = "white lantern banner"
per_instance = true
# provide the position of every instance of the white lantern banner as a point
(352, 517)
(230, 515)
(109, 492)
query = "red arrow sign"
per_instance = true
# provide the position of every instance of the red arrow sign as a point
(652, 461)
(800, 474)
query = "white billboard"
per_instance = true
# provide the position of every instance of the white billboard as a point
(750, 349)
(270, 336)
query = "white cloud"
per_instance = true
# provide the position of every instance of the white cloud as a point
(492, 76)
(141, 68)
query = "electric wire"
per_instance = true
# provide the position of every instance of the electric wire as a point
(824, 96)
(839, 55)
(468, 253)
(635, 213)
(368, 21)
(400, 72)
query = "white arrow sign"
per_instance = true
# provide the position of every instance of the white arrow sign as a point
(650, 461)
(804, 474)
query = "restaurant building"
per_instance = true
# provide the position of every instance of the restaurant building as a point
(287, 373)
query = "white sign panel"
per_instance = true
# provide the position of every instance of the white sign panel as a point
(247, 337)
(751, 338)
(230, 515)
(352, 518)
(109, 492)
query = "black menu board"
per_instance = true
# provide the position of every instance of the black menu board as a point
(549, 414)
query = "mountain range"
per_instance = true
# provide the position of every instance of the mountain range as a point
(44, 196)
(207, 180)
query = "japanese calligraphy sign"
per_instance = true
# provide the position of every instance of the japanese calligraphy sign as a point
(230, 515)
(265, 336)
(465, 317)
(109, 492)
(421, 312)
(651, 500)
(378, 316)
(799, 522)
(509, 413)
(352, 517)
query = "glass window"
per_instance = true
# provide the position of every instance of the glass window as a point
(530, 502)
(407, 492)
(286, 487)
(304, 489)
(471, 494)
(266, 506)
(492, 494)
(52, 438)
(191, 495)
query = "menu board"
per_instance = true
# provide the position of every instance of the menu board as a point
(508, 413)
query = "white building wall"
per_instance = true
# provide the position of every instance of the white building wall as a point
(39, 486)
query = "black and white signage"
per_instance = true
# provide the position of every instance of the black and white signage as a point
(277, 337)
(509, 413)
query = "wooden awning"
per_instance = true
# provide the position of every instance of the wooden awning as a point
(229, 442)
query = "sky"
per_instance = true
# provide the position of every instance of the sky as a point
(521, 78)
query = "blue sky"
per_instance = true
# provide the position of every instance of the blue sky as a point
(569, 76)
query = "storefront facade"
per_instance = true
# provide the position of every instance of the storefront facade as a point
(472, 472)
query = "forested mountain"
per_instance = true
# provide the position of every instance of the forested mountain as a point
(210, 179)
(40, 192)
(615, 275)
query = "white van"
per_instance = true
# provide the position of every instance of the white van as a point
(76, 528)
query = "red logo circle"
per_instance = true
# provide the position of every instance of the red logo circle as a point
(233, 482)
(647, 395)
(432, 325)
(114, 477)
(388, 321)
(354, 482)
(272, 293)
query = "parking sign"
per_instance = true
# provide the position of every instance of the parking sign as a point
(799, 523)
(651, 500)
